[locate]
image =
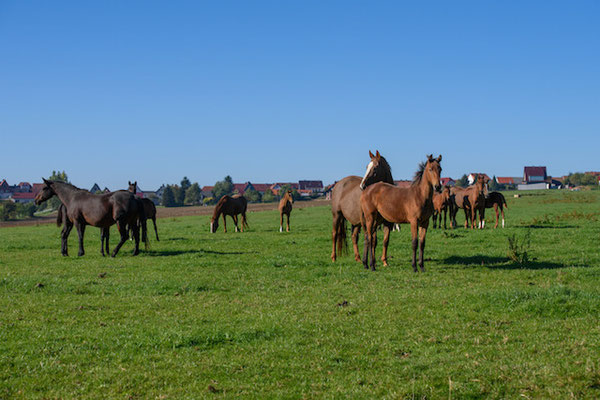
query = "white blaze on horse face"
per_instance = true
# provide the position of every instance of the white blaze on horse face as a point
(369, 168)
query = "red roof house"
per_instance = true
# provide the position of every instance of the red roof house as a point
(534, 174)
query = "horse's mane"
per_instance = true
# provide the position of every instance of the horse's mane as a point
(219, 206)
(419, 174)
(70, 185)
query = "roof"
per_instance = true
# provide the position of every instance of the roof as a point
(24, 184)
(240, 187)
(207, 189)
(535, 171)
(292, 185)
(310, 184)
(4, 183)
(23, 196)
(505, 180)
(36, 187)
(447, 180)
(261, 187)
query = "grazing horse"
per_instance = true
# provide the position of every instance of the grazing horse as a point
(63, 219)
(382, 203)
(496, 200)
(285, 207)
(465, 197)
(229, 205)
(441, 203)
(100, 210)
(345, 202)
(149, 207)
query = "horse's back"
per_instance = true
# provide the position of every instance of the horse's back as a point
(345, 199)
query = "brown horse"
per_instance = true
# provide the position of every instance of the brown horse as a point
(63, 219)
(100, 210)
(465, 197)
(149, 207)
(441, 203)
(285, 208)
(496, 200)
(229, 205)
(345, 202)
(382, 203)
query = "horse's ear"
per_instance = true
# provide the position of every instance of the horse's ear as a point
(371, 155)
(377, 154)
(439, 159)
(46, 181)
(129, 183)
(430, 157)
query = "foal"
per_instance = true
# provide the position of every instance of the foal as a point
(441, 203)
(285, 207)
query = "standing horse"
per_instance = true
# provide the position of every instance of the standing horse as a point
(63, 219)
(149, 207)
(285, 207)
(229, 205)
(465, 198)
(100, 210)
(345, 202)
(496, 200)
(441, 203)
(382, 203)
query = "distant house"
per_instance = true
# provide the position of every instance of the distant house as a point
(448, 181)
(473, 176)
(276, 186)
(314, 186)
(260, 187)
(534, 174)
(4, 188)
(24, 187)
(505, 180)
(95, 188)
(207, 191)
(22, 197)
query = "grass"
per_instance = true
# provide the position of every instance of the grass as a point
(267, 315)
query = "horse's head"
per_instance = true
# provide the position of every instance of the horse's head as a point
(289, 195)
(376, 170)
(481, 185)
(46, 192)
(433, 171)
(446, 192)
(133, 187)
(214, 225)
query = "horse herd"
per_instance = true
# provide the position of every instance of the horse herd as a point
(367, 203)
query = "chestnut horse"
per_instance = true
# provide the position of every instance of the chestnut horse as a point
(471, 199)
(285, 207)
(149, 207)
(496, 200)
(229, 205)
(345, 202)
(382, 203)
(100, 210)
(441, 203)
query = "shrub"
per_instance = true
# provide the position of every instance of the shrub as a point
(518, 248)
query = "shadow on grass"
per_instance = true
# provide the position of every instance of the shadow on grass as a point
(165, 253)
(499, 262)
(538, 226)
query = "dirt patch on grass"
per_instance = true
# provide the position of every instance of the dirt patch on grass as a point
(173, 212)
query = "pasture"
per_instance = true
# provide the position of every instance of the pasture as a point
(263, 314)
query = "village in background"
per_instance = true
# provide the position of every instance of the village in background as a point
(17, 201)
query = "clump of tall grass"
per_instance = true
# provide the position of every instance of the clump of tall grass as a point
(518, 248)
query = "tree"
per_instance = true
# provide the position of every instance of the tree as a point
(185, 185)
(463, 181)
(208, 200)
(54, 202)
(179, 195)
(223, 187)
(268, 197)
(252, 195)
(26, 210)
(192, 194)
(493, 184)
(285, 188)
(7, 210)
(168, 197)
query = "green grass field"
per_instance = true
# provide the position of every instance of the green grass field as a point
(267, 315)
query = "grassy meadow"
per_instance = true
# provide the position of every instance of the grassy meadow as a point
(263, 314)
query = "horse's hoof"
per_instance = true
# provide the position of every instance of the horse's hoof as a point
(385, 264)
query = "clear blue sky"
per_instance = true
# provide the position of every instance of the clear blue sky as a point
(285, 90)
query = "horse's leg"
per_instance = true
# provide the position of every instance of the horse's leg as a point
(355, 233)
(502, 210)
(106, 240)
(64, 237)
(434, 218)
(367, 248)
(466, 217)
(422, 235)
(288, 222)
(136, 238)
(387, 228)
(373, 245)
(496, 210)
(280, 222)
(80, 230)
(473, 217)
(102, 233)
(155, 230)
(334, 231)
(224, 224)
(122, 227)
(445, 212)
(414, 229)
(235, 221)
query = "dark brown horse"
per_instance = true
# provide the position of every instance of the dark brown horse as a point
(149, 207)
(465, 198)
(345, 202)
(496, 200)
(382, 203)
(100, 210)
(285, 208)
(441, 204)
(63, 219)
(229, 205)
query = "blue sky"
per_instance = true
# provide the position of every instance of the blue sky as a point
(285, 90)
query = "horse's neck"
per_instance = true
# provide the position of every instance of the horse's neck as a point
(217, 212)
(388, 178)
(64, 192)
(425, 190)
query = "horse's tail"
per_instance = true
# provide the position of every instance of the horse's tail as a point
(59, 216)
(341, 239)
(503, 200)
(244, 221)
